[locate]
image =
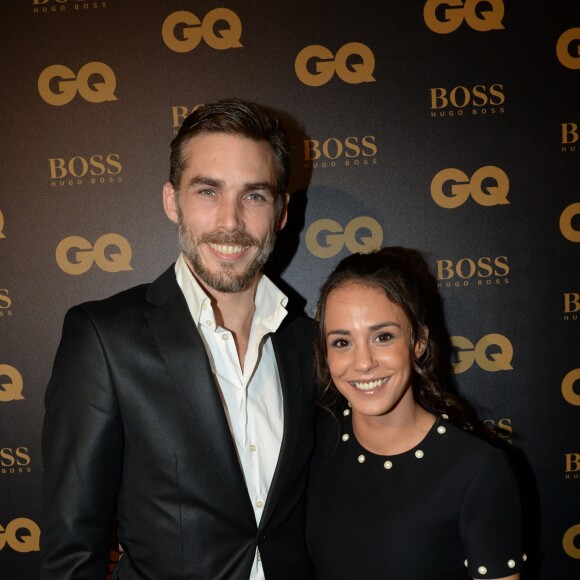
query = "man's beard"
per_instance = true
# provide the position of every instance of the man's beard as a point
(226, 279)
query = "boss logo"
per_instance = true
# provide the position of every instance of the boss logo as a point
(5, 302)
(445, 16)
(182, 31)
(179, 114)
(568, 385)
(503, 427)
(354, 63)
(95, 165)
(566, 219)
(75, 255)
(325, 238)
(494, 192)
(572, 462)
(21, 534)
(467, 353)
(571, 302)
(2, 235)
(14, 458)
(484, 269)
(568, 49)
(10, 390)
(352, 150)
(569, 137)
(482, 98)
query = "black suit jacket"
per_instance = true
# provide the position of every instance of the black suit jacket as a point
(135, 430)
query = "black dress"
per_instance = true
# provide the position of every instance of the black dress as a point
(447, 509)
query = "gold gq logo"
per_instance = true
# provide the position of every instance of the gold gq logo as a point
(12, 390)
(569, 39)
(334, 237)
(192, 30)
(566, 218)
(568, 391)
(58, 84)
(1, 225)
(84, 254)
(568, 542)
(445, 16)
(326, 64)
(22, 535)
(467, 353)
(462, 187)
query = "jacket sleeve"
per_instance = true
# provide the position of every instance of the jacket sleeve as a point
(82, 452)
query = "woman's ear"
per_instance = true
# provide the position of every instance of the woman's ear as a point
(421, 343)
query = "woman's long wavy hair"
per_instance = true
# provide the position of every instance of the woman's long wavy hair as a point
(404, 276)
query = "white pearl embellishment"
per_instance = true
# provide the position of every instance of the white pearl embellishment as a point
(346, 412)
(361, 458)
(511, 563)
(346, 437)
(524, 557)
(419, 454)
(445, 416)
(441, 430)
(482, 570)
(388, 464)
(465, 563)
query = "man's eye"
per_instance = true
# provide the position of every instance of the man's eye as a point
(206, 192)
(256, 197)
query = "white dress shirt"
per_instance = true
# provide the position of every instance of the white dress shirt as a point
(252, 397)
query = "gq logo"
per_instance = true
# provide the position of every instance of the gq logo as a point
(445, 16)
(568, 542)
(75, 255)
(568, 387)
(11, 390)
(325, 64)
(58, 84)
(467, 354)
(325, 238)
(22, 535)
(462, 187)
(569, 39)
(192, 30)
(1, 225)
(566, 218)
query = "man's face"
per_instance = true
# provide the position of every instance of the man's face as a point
(226, 210)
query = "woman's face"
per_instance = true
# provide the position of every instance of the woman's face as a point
(368, 343)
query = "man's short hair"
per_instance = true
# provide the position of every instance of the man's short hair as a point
(235, 117)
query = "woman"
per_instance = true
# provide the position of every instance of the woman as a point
(398, 491)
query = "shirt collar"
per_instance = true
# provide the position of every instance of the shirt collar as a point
(270, 301)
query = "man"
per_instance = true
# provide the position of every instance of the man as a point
(182, 408)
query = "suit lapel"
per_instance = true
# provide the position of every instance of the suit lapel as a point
(184, 354)
(290, 372)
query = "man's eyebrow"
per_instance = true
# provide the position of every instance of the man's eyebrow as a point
(201, 180)
(260, 186)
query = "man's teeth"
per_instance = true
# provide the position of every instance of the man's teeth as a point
(227, 249)
(369, 386)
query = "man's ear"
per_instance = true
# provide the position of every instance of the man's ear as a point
(170, 202)
(284, 212)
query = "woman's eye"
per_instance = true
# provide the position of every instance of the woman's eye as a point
(339, 343)
(384, 337)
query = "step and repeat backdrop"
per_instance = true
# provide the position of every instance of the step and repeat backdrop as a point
(450, 126)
